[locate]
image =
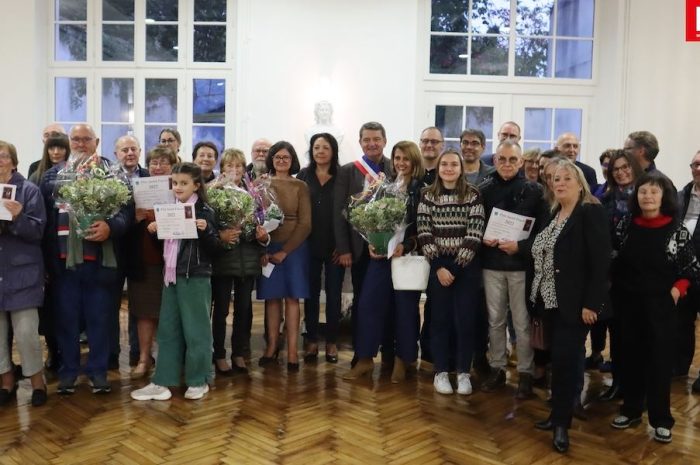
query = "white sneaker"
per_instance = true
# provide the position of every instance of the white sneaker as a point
(442, 383)
(152, 392)
(196, 392)
(464, 385)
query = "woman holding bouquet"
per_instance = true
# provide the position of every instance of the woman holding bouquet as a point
(22, 277)
(235, 268)
(320, 176)
(386, 316)
(450, 229)
(184, 330)
(288, 252)
(144, 266)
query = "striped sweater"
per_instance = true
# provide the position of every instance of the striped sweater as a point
(449, 231)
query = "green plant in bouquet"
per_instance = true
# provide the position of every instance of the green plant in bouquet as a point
(382, 215)
(92, 198)
(233, 207)
(274, 212)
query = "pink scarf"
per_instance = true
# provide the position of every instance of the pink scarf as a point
(170, 250)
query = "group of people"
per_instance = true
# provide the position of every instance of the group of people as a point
(620, 256)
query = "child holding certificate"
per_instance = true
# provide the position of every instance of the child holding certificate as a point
(184, 330)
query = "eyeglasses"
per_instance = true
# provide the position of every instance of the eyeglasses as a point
(159, 163)
(695, 165)
(470, 143)
(625, 167)
(282, 158)
(504, 160)
(430, 141)
(167, 141)
(82, 140)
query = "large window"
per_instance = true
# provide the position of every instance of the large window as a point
(133, 67)
(543, 126)
(452, 120)
(515, 38)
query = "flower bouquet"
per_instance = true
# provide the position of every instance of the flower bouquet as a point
(90, 190)
(234, 207)
(378, 214)
(267, 211)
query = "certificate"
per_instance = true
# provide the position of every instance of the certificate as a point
(507, 226)
(152, 190)
(8, 192)
(176, 221)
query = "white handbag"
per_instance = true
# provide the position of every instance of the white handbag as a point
(410, 272)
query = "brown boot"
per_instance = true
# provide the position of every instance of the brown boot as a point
(398, 374)
(364, 366)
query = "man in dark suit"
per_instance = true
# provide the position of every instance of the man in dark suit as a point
(352, 179)
(569, 146)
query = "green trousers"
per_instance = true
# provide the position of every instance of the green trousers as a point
(184, 333)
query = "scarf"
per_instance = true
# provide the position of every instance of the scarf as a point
(170, 250)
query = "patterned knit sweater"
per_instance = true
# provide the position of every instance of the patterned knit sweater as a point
(450, 231)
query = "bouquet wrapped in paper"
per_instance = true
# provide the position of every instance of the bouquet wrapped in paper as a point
(234, 207)
(267, 211)
(89, 189)
(378, 214)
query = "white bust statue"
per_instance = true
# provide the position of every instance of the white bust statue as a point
(323, 114)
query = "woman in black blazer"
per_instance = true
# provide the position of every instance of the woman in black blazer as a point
(569, 286)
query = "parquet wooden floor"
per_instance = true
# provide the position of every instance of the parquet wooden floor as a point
(314, 417)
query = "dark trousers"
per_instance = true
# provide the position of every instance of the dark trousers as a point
(333, 275)
(647, 323)
(87, 294)
(481, 333)
(615, 349)
(221, 287)
(684, 331)
(454, 307)
(566, 351)
(114, 330)
(357, 273)
(386, 316)
(598, 333)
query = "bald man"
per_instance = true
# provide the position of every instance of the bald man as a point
(569, 146)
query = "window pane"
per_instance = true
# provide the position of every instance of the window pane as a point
(71, 42)
(117, 42)
(574, 59)
(445, 55)
(491, 16)
(161, 43)
(567, 120)
(538, 123)
(161, 100)
(535, 17)
(71, 99)
(110, 134)
(210, 10)
(161, 10)
(117, 10)
(118, 100)
(210, 43)
(449, 120)
(71, 10)
(480, 118)
(490, 55)
(449, 16)
(208, 101)
(575, 18)
(211, 133)
(533, 57)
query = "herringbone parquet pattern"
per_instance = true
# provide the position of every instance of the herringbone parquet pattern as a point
(314, 417)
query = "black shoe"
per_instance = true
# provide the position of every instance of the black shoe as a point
(624, 422)
(593, 361)
(545, 425)
(264, 361)
(612, 393)
(99, 384)
(353, 362)
(236, 370)
(696, 386)
(524, 390)
(311, 352)
(7, 394)
(293, 367)
(66, 386)
(496, 380)
(221, 372)
(579, 411)
(560, 440)
(662, 434)
(332, 358)
(39, 397)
